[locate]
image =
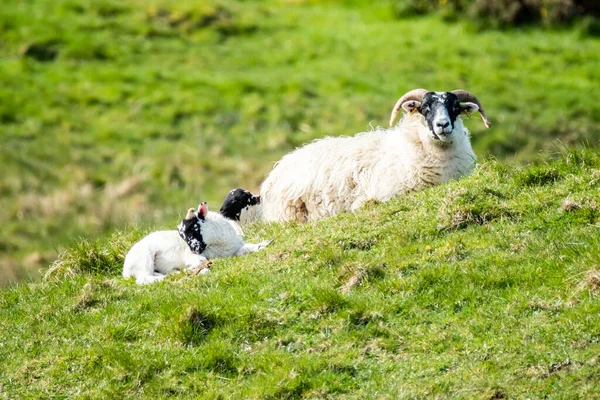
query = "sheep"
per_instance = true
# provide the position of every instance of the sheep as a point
(200, 237)
(429, 146)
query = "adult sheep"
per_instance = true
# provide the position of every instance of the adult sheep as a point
(429, 146)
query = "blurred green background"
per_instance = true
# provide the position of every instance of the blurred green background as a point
(116, 113)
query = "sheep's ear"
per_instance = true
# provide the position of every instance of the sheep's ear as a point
(411, 105)
(469, 108)
(202, 210)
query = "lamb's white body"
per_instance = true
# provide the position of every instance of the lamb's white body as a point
(158, 254)
(337, 174)
(162, 252)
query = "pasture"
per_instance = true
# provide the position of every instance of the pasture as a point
(116, 116)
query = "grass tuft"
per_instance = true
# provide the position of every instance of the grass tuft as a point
(220, 359)
(569, 205)
(353, 275)
(195, 325)
(590, 282)
(328, 300)
(538, 176)
(480, 205)
(44, 51)
(98, 257)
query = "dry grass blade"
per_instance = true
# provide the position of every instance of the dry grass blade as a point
(591, 281)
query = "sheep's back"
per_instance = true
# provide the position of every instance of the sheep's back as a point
(323, 173)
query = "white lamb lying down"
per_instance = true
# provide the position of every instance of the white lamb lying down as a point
(200, 237)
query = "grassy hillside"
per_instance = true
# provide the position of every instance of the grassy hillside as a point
(485, 288)
(116, 113)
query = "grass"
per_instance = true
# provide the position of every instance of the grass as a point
(116, 116)
(483, 288)
(116, 113)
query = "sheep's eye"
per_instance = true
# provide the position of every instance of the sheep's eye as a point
(424, 110)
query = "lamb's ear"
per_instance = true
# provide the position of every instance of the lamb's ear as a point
(411, 105)
(202, 210)
(468, 107)
(190, 213)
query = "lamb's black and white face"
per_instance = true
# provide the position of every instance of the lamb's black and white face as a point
(440, 109)
(236, 201)
(190, 228)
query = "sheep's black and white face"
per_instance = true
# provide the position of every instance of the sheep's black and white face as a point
(440, 109)
(190, 229)
(237, 201)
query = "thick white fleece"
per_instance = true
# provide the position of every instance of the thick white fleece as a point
(337, 174)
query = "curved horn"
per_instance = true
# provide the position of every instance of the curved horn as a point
(415, 94)
(463, 95)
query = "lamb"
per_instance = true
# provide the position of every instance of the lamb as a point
(212, 235)
(200, 237)
(240, 205)
(429, 146)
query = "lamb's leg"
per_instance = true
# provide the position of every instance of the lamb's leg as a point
(139, 262)
(195, 263)
(147, 279)
(252, 248)
(192, 260)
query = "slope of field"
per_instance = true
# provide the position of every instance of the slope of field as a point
(488, 287)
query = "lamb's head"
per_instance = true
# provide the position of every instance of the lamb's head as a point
(238, 201)
(190, 229)
(440, 110)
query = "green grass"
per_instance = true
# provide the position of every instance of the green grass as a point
(487, 287)
(116, 116)
(117, 113)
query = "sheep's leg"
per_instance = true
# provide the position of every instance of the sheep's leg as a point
(300, 211)
(252, 248)
(356, 204)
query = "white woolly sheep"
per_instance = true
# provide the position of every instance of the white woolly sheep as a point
(429, 146)
(200, 237)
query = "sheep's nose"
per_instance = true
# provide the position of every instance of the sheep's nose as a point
(443, 124)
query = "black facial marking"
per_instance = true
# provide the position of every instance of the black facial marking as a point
(190, 230)
(236, 201)
(432, 101)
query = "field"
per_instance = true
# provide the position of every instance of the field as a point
(490, 290)
(116, 116)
